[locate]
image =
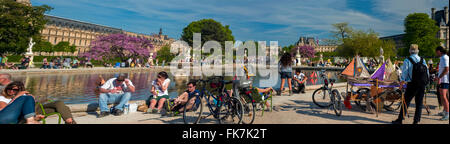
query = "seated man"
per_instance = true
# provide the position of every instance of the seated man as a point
(116, 90)
(299, 81)
(190, 95)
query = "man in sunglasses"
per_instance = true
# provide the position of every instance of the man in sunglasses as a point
(189, 95)
(118, 91)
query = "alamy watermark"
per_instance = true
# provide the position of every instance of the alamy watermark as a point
(209, 60)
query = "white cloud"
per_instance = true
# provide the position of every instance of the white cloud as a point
(286, 19)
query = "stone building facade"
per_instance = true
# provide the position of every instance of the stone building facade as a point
(314, 43)
(81, 34)
(441, 18)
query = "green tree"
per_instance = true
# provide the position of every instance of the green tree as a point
(287, 49)
(18, 23)
(210, 30)
(365, 43)
(72, 48)
(164, 54)
(43, 46)
(420, 29)
(342, 31)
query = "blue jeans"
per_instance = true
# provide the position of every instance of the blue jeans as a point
(108, 98)
(22, 107)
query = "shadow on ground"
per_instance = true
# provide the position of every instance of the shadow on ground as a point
(311, 109)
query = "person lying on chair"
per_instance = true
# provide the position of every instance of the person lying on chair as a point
(189, 96)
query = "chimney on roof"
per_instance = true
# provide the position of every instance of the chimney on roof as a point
(433, 13)
(446, 14)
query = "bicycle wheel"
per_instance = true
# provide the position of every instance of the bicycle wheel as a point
(192, 115)
(214, 104)
(337, 102)
(249, 109)
(361, 93)
(231, 111)
(321, 98)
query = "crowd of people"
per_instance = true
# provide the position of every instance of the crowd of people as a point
(61, 62)
(19, 106)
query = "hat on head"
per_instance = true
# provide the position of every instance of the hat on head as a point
(122, 77)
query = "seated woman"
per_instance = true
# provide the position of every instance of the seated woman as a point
(264, 93)
(159, 92)
(17, 104)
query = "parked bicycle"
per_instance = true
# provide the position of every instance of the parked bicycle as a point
(327, 97)
(223, 107)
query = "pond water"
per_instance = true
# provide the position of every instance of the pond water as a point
(79, 88)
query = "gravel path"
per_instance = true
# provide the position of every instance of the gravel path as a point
(296, 109)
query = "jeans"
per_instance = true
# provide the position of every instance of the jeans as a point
(109, 98)
(22, 107)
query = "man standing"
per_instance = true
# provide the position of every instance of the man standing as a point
(415, 73)
(443, 80)
(116, 90)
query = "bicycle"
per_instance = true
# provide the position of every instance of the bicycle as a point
(334, 100)
(221, 106)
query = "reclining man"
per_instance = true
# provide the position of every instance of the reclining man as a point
(190, 95)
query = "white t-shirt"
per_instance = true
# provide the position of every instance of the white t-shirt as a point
(300, 77)
(159, 89)
(4, 99)
(112, 84)
(442, 64)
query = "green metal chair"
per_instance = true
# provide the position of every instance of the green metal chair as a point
(49, 114)
(264, 103)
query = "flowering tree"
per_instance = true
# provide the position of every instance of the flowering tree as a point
(118, 46)
(305, 51)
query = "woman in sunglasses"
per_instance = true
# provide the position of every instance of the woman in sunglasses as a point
(16, 103)
(159, 92)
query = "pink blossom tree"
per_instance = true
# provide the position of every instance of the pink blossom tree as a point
(118, 45)
(305, 51)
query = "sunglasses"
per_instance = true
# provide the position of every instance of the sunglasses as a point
(190, 87)
(15, 90)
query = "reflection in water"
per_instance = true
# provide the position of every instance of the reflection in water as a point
(79, 88)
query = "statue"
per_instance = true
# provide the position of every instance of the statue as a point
(381, 55)
(30, 52)
(30, 47)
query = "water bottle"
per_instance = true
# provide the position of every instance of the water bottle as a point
(126, 108)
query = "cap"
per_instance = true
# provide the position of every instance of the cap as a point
(122, 77)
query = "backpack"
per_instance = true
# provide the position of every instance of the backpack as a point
(419, 74)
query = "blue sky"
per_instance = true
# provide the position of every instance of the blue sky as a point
(267, 20)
